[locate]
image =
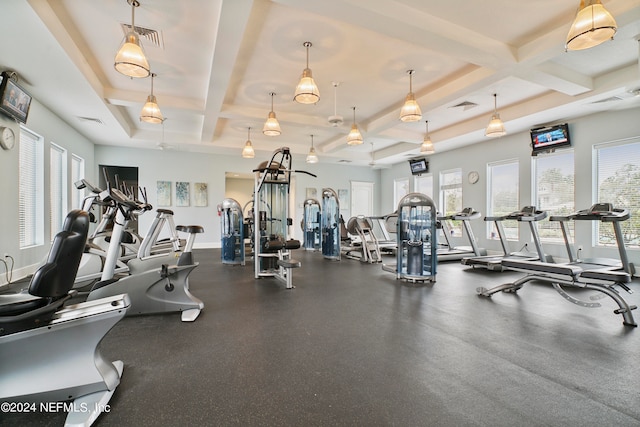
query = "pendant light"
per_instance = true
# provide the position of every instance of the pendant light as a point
(354, 137)
(307, 91)
(271, 126)
(495, 127)
(427, 146)
(312, 157)
(410, 111)
(247, 151)
(592, 26)
(130, 59)
(151, 112)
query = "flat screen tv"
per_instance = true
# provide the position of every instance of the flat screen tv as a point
(419, 166)
(14, 100)
(548, 138)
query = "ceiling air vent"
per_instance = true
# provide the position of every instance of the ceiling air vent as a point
(152, 36)
(90, 120)
(610, 99)
(466, 105)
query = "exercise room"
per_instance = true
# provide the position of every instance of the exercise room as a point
(337, 213)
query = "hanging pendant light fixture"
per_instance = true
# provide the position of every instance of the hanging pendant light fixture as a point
(271, 126)
(592, 26)
(312, 157)
(307, 91)
(495, 127)
(247, 151)
(130, 59)
(410, 111)
(151, 112)
(354, 137)
(427, 146)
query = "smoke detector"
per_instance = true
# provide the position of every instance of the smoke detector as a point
(335, 120)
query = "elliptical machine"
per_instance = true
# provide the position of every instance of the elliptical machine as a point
(50, 353)
(151, 290)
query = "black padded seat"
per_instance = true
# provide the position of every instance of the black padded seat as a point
(292, 244)
(289, 263)
(191, 229)
(51, 283)
(164, 211)
(273, 245)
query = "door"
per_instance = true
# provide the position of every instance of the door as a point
(361, 198)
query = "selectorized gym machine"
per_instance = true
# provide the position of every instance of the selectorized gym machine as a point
(272, 245)
(330, 225)
(528, 214)
(232, 232)
(416, 232)
(598, 274)
(449, 252)
(311, 219)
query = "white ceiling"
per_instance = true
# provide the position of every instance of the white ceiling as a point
(219, 59)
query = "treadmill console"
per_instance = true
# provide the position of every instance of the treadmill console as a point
(601, 209)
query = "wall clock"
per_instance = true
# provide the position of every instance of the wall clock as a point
(7, 138)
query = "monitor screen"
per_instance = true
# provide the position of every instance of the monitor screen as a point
(419, 166)
(14, 100)
(549, 138)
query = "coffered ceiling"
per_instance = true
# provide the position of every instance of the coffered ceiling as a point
(217, 61)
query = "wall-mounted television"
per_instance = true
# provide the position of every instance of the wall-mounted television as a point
(14, 100)
(548, 138)
(419, 166)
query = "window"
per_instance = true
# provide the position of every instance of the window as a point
(451, 197)
(31, 182)
(618, 181)
(424, 184)
(57, 188)
(77, 173)
(554, 191)
(400, 189)
(503, 194)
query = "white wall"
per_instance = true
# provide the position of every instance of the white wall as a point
(44, 123)
(155, 165)
(585, 132)
(168, 165)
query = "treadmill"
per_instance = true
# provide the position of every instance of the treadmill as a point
(528, 214)
(603, 212)
(448, 252)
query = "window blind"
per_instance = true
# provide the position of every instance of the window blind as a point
(554, 191)
(30, 179)
(618, 182)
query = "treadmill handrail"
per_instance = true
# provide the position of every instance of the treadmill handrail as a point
(617, 214)
(527, 213)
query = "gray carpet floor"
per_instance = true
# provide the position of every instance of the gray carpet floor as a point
(352, 346)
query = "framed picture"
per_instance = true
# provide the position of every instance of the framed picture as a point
(343, 198)
(182, 193)
(200, 194)
(164, 193)
(14, 101)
